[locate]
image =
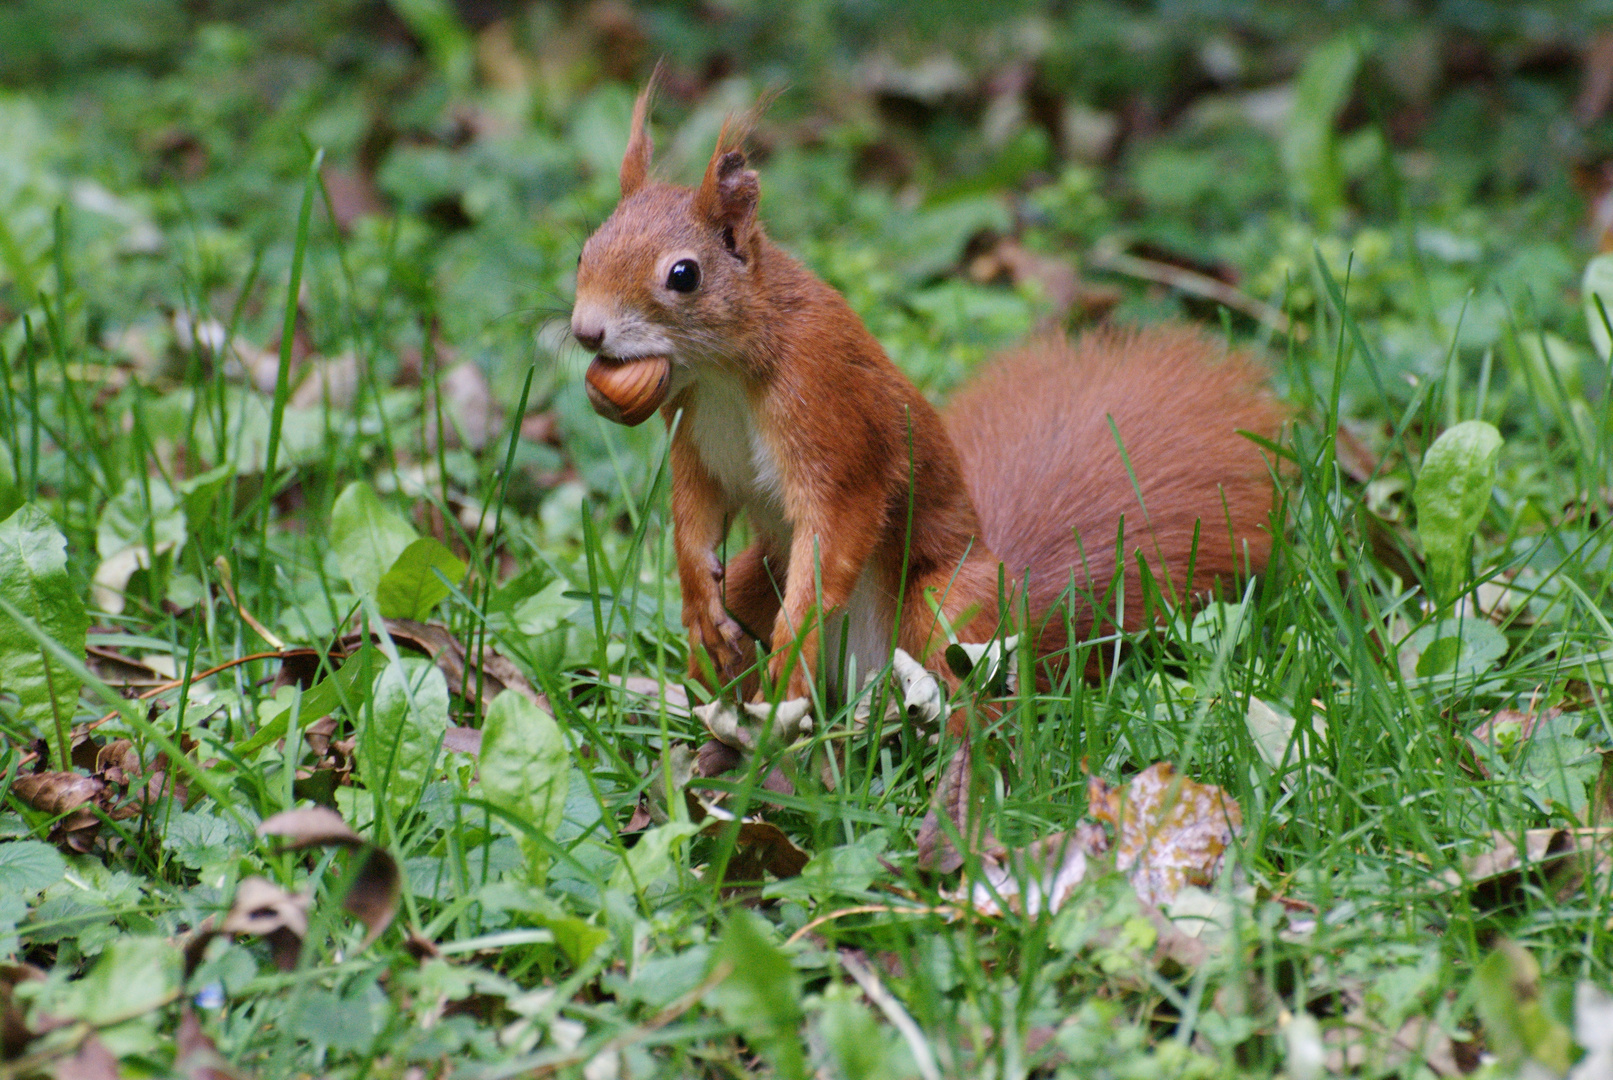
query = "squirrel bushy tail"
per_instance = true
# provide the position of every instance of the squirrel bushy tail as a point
(1040, 433)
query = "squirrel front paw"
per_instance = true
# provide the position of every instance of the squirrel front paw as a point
(723, 639)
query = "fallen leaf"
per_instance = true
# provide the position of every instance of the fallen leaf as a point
(309, 827)
(263, 909)
(1359, 1043)
(1550, 859)
(1036, 878)
(15, 1033)
(462, 740)
(196, 1056)
(1170, 831)
(57, 792)
(372, 897)
(743, 728)
(952, 803)
(1507, 727)
(93, 1061)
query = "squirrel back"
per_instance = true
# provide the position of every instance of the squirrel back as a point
(1040, 432)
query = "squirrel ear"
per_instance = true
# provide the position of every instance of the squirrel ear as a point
(636, 162)
(729, 192)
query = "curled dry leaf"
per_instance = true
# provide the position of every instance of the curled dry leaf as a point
(743, 728)
(1169, 831)
(70, 797)
(263, 909)
(760, 845)
(373, 896)
(310, 827)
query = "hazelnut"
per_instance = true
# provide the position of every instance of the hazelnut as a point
(628, 391)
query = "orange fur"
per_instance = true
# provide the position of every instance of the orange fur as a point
(787, 409)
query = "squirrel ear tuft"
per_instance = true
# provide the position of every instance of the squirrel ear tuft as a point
(729, 192)
(636, 162)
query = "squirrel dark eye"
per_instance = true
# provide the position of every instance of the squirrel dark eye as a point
(684, 276)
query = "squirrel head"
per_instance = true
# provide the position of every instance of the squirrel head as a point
(672, 271)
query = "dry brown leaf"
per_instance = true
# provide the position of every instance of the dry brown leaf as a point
(352, 195)
(57, 792)
(762, 845)
(1039, 877)
(1550, 859)
(263, 909)
(1516, 723)
(14, 1031)
(92, 1062)
(196, 1056)
(1596, 89)
(1361, 1043)
(1054, 277)
(462, 740)
(309, 827)
(373, 895)
(1170, 831)
(472, 414)
(116, 669)
(952, 802)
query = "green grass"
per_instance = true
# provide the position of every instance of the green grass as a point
(1442, 289)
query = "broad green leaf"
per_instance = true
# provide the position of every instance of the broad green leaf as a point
(761, 994)
(1453, 491)
(401, 735)
(1310, 146)
(1518, 1027)
(862, 1048)
(652, 858)
(526, 769)
(199, 492)
(576, 938)
(1457, 646)
(131, 519)
(1597, 288)
(27, 866)
(410, 589)
(321, 699)
(347, 1022)
(133, 976)
(34, 581)
(366, 536)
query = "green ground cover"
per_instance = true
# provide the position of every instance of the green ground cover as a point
(302, 506)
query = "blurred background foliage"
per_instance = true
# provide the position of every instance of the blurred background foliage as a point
(964, 172)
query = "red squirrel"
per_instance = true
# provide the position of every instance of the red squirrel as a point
(859, 494)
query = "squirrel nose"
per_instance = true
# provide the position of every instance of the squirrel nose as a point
(590, 334)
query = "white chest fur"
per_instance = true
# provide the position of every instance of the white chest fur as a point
(723, 428)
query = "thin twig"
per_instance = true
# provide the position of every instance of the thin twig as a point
(247, 617)
(875, 990)
(1110, 257)
(870, 909)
